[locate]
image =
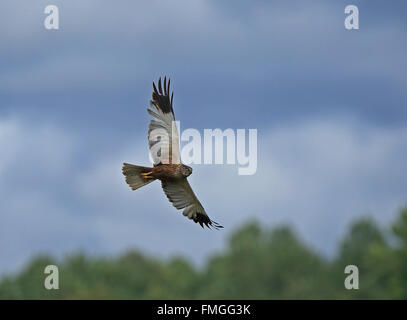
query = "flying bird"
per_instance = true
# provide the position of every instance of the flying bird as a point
(165, 152)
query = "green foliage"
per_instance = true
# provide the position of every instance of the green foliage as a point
(257, 263)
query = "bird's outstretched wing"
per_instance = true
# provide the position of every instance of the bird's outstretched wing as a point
(180, 194)
(162, 131)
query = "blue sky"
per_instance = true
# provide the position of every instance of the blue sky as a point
(330, 106)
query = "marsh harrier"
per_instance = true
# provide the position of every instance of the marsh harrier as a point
(165, 152)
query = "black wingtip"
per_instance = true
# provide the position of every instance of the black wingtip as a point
(160, 89)
(204, 220)
(162, 98)
(168, 87)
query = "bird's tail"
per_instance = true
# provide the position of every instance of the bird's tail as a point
(134, 177)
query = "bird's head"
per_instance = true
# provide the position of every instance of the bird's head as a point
(186, 171)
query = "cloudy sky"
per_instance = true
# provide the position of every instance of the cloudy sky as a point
(330, 106)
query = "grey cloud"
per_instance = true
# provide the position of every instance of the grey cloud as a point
(96, 42)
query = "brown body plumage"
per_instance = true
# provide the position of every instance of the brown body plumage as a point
(170, 171)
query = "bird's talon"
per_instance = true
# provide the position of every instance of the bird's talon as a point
(146, 174)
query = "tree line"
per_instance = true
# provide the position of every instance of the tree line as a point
(257, 263)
